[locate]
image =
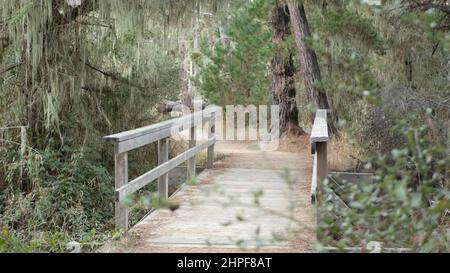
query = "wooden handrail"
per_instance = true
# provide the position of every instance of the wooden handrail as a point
(319, 138)
(133, 139)
(319, 132)
(160, 170)
(162, 125)
(160, 132)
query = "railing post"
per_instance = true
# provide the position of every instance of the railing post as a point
(121, 178)
(322, 168)
(163, 156)
(319, 139)
(191, 161)
(322, 173)
(211, 133)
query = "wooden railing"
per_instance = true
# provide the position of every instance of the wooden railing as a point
(161, 132)
(319, 139)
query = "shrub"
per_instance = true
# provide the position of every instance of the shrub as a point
(67, 194)
(406, 206)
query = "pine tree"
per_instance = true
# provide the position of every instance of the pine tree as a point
(283, 72)
(233, 68)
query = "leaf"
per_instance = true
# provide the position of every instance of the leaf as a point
(416, 200)
(401, 191)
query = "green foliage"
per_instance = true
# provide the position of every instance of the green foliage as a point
(89, 241)
(16, 243)
(397, 113)
(236, 69)
(386, 71)
(346, 22)
(66, 194)
(80, 74)
(406, 206)
(379, 64)
(74, 75)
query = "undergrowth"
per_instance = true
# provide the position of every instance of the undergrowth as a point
(52, 198)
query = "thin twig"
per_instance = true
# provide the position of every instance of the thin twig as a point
(12, 127)
(9, 68)
(113, 76)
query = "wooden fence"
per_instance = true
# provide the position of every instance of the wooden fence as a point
(319, 139)
(161, 132)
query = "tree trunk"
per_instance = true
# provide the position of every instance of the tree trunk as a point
(283, 71)
(308, 60)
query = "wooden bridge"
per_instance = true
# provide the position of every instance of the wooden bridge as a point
(253, 200)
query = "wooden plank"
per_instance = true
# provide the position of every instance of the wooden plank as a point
(133, 143)
(143, 140)
(211, 133)
(322, 171)
(217, 228)
(182, 121)
(319, 132)
(164, 168)
(322, 168)
(191, 161)
(121, 179)
(319, 138)
(352, 178)
(337, 201)
(138, 142)
(163, 156)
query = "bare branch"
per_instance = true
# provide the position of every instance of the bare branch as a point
(114, 76)
(9, 68)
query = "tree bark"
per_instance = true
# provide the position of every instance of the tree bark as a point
(308, 59)
(283, 71)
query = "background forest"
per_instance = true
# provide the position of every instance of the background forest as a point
(74, 71)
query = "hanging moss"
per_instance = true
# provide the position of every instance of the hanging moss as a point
(74, 73)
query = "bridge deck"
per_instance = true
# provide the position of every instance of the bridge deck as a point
(221, 213)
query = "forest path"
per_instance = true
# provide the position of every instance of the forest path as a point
(222, 213)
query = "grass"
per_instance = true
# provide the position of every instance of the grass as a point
(343, 154)
(202, 158)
